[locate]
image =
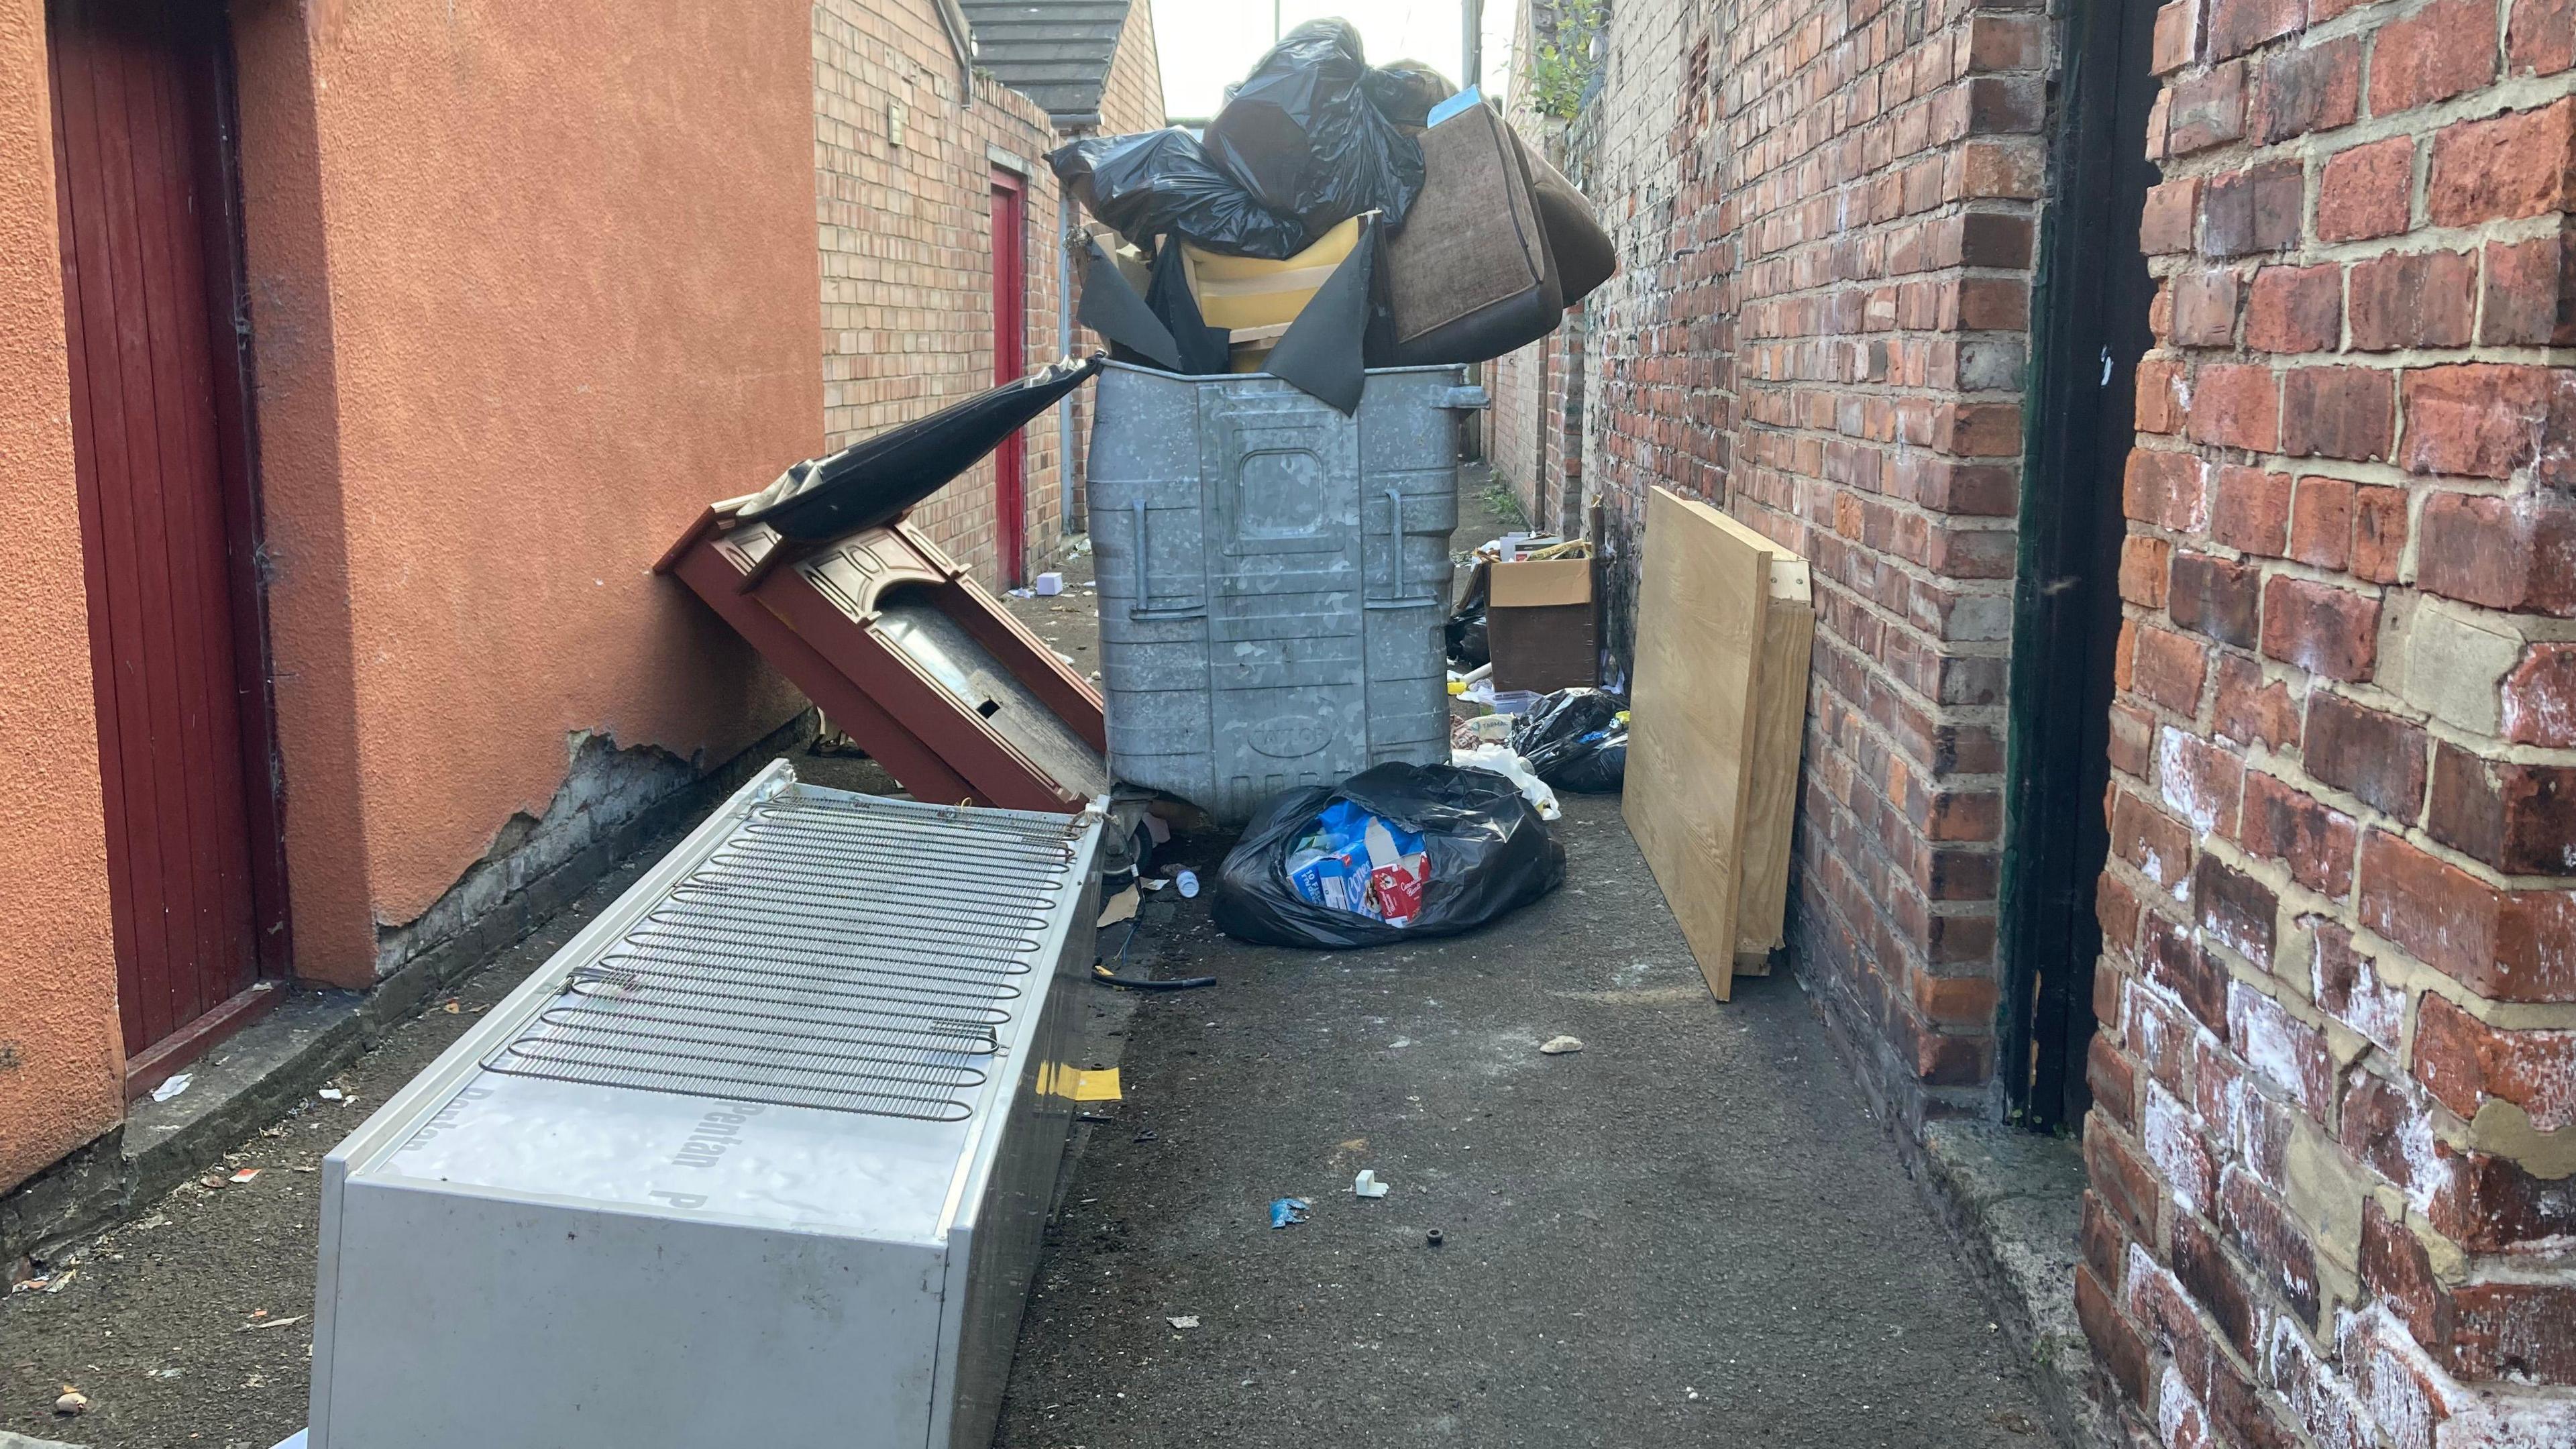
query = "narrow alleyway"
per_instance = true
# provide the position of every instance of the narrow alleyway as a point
(1690, 1232)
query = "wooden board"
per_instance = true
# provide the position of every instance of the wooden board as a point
(1702, 609)
(1779, 735)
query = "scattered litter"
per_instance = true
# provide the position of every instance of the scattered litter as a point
(1062, 657)
(1692, 1394)
(162, 1093)
(245, 1175)
(165, 1373)
(1151, 884)
(1432, 1239)
(1367, 1185)
(72, 1402)
(1107, 977)
(1501, 760)
(1024, 593)
(332, 1094)
(1188, 881)
(1356, 861)
(270, 1323)
(1186, 1320)
(1399, 1043)
(1287, 1210)
(1557, 1046)
(1097, 1086)
(1049, 585)
(1120, 907)
(451, 1006)
(1148, 1135)
(62, 1280)
(1095, 1118)
(28, 1285)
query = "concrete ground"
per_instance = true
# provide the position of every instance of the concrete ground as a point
(1691, 1231)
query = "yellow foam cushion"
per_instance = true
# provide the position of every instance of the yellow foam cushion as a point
(1240, 292)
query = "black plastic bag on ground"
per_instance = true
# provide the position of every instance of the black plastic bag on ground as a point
(1489, 855)
(1303, 136)
(1575, 740)
(1469, 642)
(1162, 181)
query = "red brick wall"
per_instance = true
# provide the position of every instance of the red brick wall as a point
(907, 265)
(1825, 219)
(2335, 1113)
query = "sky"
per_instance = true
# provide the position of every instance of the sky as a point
(1207, 45)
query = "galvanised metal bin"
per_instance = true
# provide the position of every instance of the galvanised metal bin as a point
(1273, 578)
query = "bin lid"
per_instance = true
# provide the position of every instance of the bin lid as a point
(874, 480)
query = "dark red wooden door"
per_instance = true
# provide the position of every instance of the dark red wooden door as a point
(1010, 361)
(168, 520)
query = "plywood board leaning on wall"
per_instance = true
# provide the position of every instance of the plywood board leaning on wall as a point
(1779, 732)
(1709, 795)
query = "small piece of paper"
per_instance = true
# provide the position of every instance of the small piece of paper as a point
(172, 1087)
(1121, 907)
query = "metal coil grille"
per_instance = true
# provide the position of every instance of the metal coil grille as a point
(853, 956)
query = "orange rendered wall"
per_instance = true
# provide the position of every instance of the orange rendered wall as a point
(61, 1058)
(531, 284)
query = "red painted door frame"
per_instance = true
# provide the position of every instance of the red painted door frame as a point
(157, 327)
(1010, 362)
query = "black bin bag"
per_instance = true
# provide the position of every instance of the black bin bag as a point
(1161, 181)
(1488, 855)
(1575, 740)
(1304, 135)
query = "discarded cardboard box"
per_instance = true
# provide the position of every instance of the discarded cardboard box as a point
(1541, 625)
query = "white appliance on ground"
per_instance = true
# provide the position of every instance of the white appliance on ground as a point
(763, 1156)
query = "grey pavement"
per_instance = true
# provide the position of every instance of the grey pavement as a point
(1690, 1232)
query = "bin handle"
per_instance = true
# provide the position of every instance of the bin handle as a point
(1395, 560)
(1144, 607)
(1144, 574)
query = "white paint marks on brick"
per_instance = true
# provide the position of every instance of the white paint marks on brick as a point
(2179, 1420)
(2365, 1003)
(2407, 1393)
(2318, 1396)
(2138, 1269)
(2174, 1145)
(2427, 1171)
(2545, 1061)
(2538, 715)
(2288, 1052)
(2223, 926)
(2185, 787)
